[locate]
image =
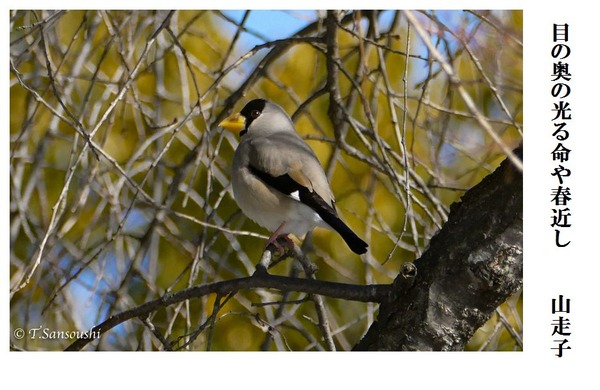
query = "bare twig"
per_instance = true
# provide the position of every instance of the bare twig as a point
(462, 91)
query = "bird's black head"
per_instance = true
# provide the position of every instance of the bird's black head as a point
(251, 111)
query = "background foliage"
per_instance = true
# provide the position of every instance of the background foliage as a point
(120, 177)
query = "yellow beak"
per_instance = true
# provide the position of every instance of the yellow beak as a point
(234, 123)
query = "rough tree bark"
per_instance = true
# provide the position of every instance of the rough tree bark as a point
(472, 265)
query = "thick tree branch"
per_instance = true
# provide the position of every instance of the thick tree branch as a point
(472, 265)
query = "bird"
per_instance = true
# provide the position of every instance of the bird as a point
(277, 179)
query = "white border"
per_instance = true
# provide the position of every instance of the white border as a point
(573, 272)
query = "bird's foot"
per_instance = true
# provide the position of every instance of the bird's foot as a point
(280, 248)
(281, 244)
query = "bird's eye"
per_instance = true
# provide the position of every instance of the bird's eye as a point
(254, 114)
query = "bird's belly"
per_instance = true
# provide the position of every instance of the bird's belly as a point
(270, 208)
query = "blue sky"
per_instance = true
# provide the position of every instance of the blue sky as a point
(274, 24)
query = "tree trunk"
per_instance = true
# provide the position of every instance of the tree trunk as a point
(472, 265)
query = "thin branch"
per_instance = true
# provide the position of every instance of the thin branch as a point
(462, 91)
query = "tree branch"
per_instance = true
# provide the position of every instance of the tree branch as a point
(260, 279)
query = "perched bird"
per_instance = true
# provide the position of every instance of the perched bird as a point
(277, 179)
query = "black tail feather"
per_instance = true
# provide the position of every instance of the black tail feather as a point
(357, 245)
(328, 214)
